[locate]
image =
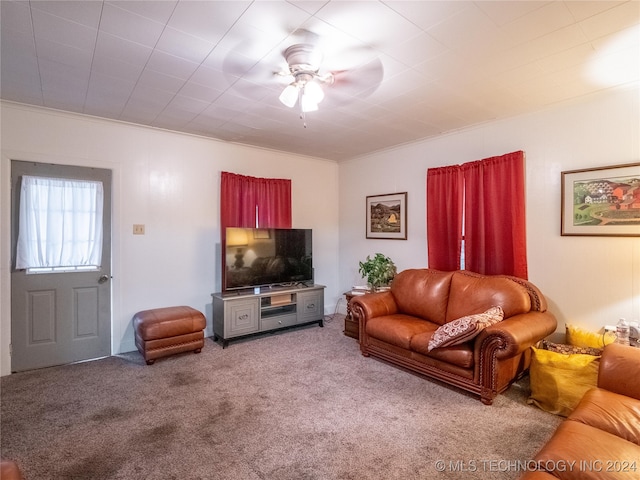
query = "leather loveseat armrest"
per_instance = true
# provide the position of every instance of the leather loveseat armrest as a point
(516, 334)
(498, 344)
(373, 305)
(619, 367)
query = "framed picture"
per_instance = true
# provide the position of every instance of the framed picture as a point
(602, 201)
(387, 216)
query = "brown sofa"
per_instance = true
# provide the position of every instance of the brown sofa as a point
(600, 439)
(398, 324)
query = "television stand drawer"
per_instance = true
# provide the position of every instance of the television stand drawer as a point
(277, 321)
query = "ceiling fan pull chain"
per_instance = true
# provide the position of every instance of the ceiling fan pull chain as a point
(303, 117)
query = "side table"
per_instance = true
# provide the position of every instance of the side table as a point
(351, 327)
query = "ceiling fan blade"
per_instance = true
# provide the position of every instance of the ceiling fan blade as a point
(348, 58)
(359, 82)
(243, 73)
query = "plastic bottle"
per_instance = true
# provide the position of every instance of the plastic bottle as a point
(622, 332)
(634, 330)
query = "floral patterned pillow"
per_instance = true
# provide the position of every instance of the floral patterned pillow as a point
(570, 349)
(463, 329)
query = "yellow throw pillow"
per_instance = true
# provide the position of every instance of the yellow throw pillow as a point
(558, 380)
(583, 338)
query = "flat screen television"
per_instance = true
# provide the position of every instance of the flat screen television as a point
(260, 257)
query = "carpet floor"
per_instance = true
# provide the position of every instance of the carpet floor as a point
(301, 404)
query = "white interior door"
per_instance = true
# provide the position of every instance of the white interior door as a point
(61, 317)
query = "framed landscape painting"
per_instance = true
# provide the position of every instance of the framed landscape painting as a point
(387, 216)
(601, 201)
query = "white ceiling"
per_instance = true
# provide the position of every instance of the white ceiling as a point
(207, 67)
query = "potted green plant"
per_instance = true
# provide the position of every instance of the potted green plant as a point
(379, 270)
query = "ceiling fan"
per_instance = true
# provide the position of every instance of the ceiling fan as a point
(355, 74)
(304, 64)
(338, 74)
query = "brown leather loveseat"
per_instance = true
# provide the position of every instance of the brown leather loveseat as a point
(398, 326)
(600, 439)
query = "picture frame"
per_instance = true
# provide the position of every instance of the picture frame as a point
(387, 216)
(602, 201)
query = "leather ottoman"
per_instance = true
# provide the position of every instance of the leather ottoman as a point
(161, 332)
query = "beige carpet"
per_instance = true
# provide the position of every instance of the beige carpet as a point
(304, 404)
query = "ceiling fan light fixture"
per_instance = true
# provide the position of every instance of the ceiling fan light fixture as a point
(289, 95)
(313, 92)
(304, 63)
(307, 104)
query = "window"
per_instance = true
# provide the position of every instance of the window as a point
(478, 206)
(60, 225)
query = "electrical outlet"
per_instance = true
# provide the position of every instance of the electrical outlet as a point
(138, 229)
(609, 328)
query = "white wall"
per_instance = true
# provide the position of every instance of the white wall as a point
(170, 183)
(588, 281)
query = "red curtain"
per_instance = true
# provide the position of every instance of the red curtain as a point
(273, 198)
(237, 203)
(445, 190)
(495, 224)
(241, 195)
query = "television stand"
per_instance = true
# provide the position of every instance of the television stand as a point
(238, 315)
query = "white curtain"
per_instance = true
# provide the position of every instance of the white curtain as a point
(60, 223)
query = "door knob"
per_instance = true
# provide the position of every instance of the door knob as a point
(103, 279)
